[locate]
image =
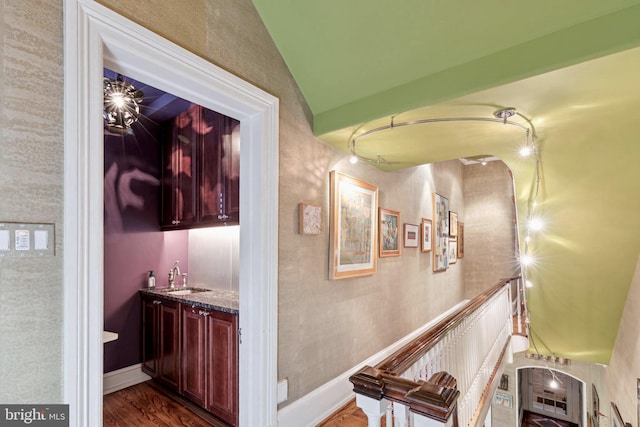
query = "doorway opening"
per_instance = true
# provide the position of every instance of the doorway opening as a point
(549, 397)
(98, 38)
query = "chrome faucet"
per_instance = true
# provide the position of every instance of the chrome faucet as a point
(173, 273)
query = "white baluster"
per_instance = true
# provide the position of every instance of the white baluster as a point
(421, 421)
(400, 415)
(389, 415)
(373, 409)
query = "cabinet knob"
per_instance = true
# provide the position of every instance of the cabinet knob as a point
(203, 313)
(155, 301)
(175, 222)
(223, 216)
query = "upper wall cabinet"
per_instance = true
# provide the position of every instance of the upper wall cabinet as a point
(201, 170)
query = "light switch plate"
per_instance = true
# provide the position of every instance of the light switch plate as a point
(5, 240)
(283, 390)
(23, 239)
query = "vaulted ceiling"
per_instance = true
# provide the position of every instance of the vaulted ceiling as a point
(572, 71)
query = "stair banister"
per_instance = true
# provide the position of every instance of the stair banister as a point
(406, 378)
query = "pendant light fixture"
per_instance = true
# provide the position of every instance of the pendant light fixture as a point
(121, 105)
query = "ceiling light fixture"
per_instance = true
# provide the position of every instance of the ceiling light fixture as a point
(121, 105)
(500, 116)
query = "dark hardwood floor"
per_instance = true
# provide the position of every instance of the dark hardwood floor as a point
(348, 416)
(148, 404)
(529, 419)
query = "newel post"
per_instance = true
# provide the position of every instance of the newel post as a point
(435, 403)
(432, 403)
(368, 385)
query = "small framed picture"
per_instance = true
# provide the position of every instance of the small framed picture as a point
(411, 234)
(453, 224)
(426, 235)
(460, 240)
(388, 226)
(453, 251)
(440, 233)
(310, 218)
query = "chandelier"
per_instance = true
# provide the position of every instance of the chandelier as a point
(121, 105)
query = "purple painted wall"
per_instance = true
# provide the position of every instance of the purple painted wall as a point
(133, 242)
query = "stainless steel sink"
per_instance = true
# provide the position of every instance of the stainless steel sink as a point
(184, 291)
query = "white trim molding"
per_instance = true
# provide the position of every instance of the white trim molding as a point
(122, 378)
(319, 404)
(96, 37)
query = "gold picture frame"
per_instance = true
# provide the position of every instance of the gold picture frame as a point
(353, 227)
(440, 233)
(310, 218)
(411, 235)
(460, 240)
(453, 224)
(388, 232)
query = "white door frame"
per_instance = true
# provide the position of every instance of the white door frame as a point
(96, 37)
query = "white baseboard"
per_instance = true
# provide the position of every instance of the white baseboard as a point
(317, 405)
(123, 378)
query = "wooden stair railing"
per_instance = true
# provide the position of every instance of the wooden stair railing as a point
(432, 401)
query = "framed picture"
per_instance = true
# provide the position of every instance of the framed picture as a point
(411, 235)
(504, 382)
(616, 418)
(460, 240)
(453, 251)
(426, 235)
(388, 222)
(503, 399)
(595, 405)
(453, 224)
(440, 233)
(353, 227)
(310, 217)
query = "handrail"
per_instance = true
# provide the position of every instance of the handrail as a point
(402, 359)
(435, 397)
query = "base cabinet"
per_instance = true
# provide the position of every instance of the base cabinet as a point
(161, 340)
(194, 352)
(210, 361)
(192, 384)
(222, 366)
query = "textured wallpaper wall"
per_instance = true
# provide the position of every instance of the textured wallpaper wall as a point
(31, 185)
(325, 327)
(489, 228)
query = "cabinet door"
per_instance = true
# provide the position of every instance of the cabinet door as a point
(193, 354)
(169, 357)
(211, 185)
(222, 366)
(220, 170)
(230, 168)
(150, 332)
(180, 181)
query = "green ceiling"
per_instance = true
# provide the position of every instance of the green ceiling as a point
(571, 67)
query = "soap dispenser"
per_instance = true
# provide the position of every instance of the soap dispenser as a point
(151, 281)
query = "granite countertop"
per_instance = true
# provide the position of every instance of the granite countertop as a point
(214, 299)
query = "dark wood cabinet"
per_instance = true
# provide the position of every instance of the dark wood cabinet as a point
(193, 354)
(222, 366)
(193, 351)
(210, 361)
(201, 170)
(161, 340)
